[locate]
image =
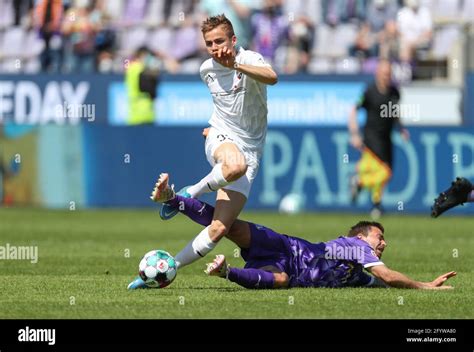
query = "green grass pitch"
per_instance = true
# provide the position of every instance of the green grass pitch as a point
(87, 258)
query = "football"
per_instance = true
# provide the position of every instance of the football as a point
(157, 268)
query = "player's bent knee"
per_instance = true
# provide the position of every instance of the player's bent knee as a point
(235, 171)
(281, 280)
(217, 230)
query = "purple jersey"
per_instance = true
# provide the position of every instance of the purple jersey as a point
(336, 263)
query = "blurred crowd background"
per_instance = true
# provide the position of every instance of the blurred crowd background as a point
(296, 36)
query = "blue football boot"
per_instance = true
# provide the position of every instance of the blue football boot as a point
(163, 192)
(137, 284)
(166, 211)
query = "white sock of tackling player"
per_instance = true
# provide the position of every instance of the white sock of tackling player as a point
(196, 249)
(211, 183)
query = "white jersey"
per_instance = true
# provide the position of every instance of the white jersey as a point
(240, 102)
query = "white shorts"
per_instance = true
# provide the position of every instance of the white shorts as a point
(214, 139)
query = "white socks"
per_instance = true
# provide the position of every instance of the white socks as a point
(195, 249)
(202, 244)
(211, 183)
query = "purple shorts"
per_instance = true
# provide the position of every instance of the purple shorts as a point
(267, 247)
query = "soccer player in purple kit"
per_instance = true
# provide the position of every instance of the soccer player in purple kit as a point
(274, 260)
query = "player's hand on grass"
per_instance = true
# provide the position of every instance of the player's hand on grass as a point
(437, 284)
(225, 56)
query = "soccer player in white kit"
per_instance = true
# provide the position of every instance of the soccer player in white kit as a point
(237, 80)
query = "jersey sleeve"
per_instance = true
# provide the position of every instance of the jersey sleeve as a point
(368, 258)
(254, 59)
(202, 73)
(205, 69)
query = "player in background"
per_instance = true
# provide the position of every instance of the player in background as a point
(237, 80)
(374, 169)
(273, 260)
(460, 192)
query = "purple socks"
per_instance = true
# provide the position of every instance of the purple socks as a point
(251, 278)
(196, 210)
(202, 213)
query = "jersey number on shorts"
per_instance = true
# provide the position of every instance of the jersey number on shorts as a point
(223, 137)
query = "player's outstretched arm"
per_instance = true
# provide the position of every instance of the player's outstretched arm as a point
(398, 280)
(262, 74)
(353, 126)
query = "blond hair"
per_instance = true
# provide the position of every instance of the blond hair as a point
(215, 21)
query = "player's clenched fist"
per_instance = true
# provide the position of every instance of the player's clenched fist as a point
(225, 56)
